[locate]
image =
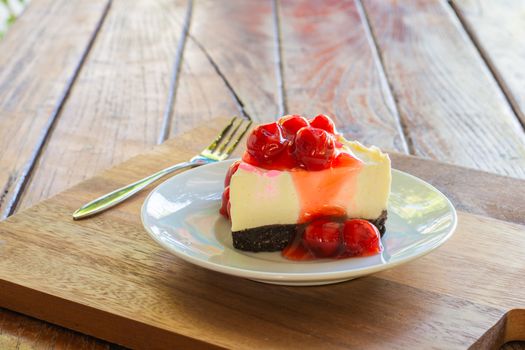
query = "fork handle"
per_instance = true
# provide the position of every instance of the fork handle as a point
(121, 194)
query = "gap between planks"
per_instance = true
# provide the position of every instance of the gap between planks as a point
(53, 118)
(220, 73)
(174, 82)
(278, 56)
(228, 66)
(408, 145)
(489, 64)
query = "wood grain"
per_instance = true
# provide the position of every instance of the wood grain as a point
(116, 107)
(25, 333)
(513, 345)
(107, 269)
(202, 94)
(497, 27)
(330, 66)
(448, 100)
(34, 80)
(465, 273)
(228, 66)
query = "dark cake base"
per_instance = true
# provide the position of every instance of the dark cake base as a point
(380, 222)
(264, 238)
(273, 238)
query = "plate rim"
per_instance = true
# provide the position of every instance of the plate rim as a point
(297, 276)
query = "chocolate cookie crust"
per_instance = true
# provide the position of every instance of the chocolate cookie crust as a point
(273, 238)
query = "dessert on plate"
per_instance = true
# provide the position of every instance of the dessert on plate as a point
(303, 189)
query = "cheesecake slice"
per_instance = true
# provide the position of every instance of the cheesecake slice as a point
(297, 175)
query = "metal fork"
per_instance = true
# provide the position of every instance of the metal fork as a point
(218, 150)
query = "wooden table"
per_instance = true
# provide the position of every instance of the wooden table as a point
(86, 84)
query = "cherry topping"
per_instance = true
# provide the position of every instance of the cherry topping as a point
(323, 237)
(331, 237)
(291, 124)
(323, 122)
(344, 159)
(325, 211)
(225, 207)
(360, 238)
(314, 148)
(286, 160)
(296, 250)
(266, 142)
(231, 170)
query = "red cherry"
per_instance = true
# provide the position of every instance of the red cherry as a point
(266, 142)
(360, 238)
(291, 124)
(323, 122)
(344, 159)
(246, 157)
(323, 237)
(225, 207)
(286, 160)
(314, 148)
(231, 170)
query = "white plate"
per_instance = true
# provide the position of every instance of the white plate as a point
(181, 215)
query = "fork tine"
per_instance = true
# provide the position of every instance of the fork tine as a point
(229, 151)
(213, 146)
(227, 141)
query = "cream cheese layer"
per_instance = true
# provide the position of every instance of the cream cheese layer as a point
(261, 197)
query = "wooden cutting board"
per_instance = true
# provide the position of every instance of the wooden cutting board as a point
(105, 277)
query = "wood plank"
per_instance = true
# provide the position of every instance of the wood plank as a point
(330, 66)
(479, 258)
(449, 102)
(117, 104)
(34, 80)
(111, 272)
(202, 94)
(22, 332)
(228, 65)
(497, 29)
